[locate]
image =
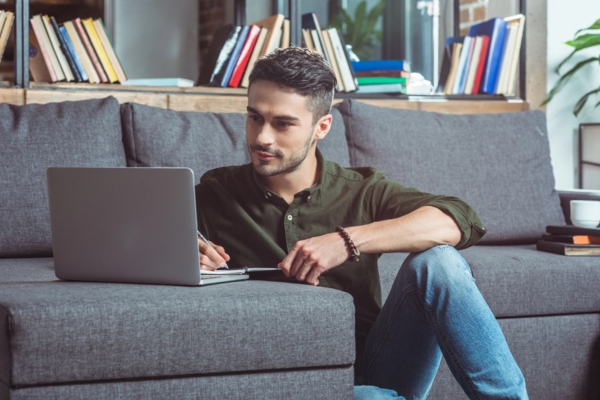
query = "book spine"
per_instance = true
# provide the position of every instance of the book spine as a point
(110, 51)
(10, 17)
(69, 44)
(66, 51)
(235, 55)
(88, 24)
(44, 51)
(495, 56)
(60, 56)
(81, 52)
(242, 62)
(90, 50)
(485, 42)
(38, 65)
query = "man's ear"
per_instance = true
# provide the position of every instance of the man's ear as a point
(323, 126)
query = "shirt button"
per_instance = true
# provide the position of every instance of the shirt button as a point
(289, 217)
(309, 197)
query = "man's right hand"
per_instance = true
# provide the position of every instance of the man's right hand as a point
(212, 258)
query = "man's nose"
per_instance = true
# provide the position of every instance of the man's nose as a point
(265, 136)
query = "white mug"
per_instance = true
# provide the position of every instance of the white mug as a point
(585, 213)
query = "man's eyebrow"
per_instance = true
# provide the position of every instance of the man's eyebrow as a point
(277, 117)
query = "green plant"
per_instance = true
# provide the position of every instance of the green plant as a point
(584, 38)
(360, 31)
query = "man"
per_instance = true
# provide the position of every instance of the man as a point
(322, 224)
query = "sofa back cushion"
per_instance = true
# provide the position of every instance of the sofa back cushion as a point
(35, 137)
(156, 137)
(498, 163)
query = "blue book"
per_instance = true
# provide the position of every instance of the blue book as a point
(235, 54)
(381, 65)
(461, 72)
(71, 48)
(495, 28)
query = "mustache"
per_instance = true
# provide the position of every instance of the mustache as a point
(266, 149)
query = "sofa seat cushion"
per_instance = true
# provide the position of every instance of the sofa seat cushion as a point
(519, 281)
(498, 163)
(35, 137)
(73, 331)
(155, 137)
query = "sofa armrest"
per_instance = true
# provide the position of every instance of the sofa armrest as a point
(575, 194)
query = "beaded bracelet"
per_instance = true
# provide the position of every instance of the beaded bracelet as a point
(354, 253)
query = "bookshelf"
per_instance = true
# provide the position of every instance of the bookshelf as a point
(171, 97)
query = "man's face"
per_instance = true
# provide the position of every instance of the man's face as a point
(279, 128)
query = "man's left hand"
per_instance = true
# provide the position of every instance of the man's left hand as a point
(310, 258)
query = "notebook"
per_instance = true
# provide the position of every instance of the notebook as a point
(127, 225)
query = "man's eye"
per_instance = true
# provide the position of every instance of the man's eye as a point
(253, 117)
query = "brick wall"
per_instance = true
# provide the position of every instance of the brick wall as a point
(212, 17)
(471, 12)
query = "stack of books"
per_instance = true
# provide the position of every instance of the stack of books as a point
(331, 45)
(486, 61)
(75, 51)
(234, 50)
(381, 76)
(6, 22)
(571, 240)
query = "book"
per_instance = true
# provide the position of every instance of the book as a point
(456, 51)
(379, 80)
(90, 29)
(308, 43)
(572, 230)
(39, 63)
(343, 60)
(334, 64)
(473, 64)
(179, 82)
(286, 34)
(65, 50)
(60, 55)
(6, 24)
(89, 49)
(379, 65)
(110, 51)
(462, 65)
(388, 72)
(445, 68)
(218, 54)
(56, 72)
(507, 53)
(274, 24)
(518, 20)
(485, 42)
(73, 54)
(383, 88)
(86, 62)
(572, 239)
(245, 53)
(467, 67)
(495, 28)
(262, 36)
(235, 54)
(568, 249)
(310, 21)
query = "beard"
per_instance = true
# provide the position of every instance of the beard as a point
(281, 163)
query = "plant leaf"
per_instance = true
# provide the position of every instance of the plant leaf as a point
(563, 79)
(595, 25)
(359, 17)
(585, 41)
(579, 105)
(373, 17)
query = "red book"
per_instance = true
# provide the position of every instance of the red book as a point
(485, 44)
(90, 50)
(242, 62)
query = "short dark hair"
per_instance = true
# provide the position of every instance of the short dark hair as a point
(301, 70)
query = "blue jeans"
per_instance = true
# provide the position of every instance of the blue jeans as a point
(435, 308)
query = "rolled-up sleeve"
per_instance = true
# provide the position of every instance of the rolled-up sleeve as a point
(390, 200)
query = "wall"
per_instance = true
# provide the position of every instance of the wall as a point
(564, 19)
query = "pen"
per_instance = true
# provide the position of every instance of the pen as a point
(208, 243)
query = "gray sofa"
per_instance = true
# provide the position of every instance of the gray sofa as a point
(271, 340)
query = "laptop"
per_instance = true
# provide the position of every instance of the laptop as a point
(127, 225)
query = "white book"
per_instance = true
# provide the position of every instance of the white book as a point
(473, 65)
(39, 25)
(462, 62)
(62, 60)
(518, 20)
(334, 64)
(316, 41)
(507, 56)
(343, 62)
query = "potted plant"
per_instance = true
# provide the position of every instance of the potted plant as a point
(584, 38)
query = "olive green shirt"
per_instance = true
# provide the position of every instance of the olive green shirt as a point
(258, 228)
